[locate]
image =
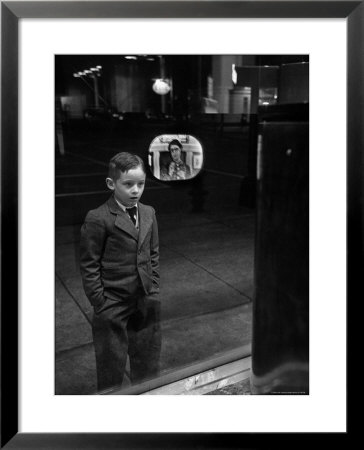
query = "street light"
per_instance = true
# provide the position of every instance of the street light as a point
(161, 86)
(93, 73)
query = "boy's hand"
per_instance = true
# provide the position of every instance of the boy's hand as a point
(93, 236)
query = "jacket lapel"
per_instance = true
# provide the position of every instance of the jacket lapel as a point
(122, 220)
(145, 222)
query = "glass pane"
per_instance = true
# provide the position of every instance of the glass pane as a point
(128, 310)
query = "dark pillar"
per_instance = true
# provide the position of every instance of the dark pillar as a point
(281, 303)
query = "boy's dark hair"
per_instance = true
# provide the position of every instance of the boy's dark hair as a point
(174, 142)
(122, 162)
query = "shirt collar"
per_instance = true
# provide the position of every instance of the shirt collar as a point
(123, 207)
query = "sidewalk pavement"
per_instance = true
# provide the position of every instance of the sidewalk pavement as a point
(206, 264)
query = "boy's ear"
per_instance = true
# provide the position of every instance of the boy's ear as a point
(110, 183)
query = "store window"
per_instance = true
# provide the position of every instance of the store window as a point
(195, 144)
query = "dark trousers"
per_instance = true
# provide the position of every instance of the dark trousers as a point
(127, 326)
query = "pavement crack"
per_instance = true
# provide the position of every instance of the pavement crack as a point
(73, 298)
(207, 271)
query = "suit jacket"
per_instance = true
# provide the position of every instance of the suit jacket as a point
(117, 260)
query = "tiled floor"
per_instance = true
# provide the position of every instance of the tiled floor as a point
(205, 299)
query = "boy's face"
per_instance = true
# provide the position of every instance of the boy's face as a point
(129, 187)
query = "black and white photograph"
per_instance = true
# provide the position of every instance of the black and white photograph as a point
(182, 221)
(181, 224)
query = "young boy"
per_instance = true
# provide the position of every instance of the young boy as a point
(119, 260)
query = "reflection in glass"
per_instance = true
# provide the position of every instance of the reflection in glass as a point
(175, 157)
(207, 225)
(268, 96)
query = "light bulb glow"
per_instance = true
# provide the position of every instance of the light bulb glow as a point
(161, 86)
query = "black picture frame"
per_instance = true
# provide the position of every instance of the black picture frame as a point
(11, 12)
